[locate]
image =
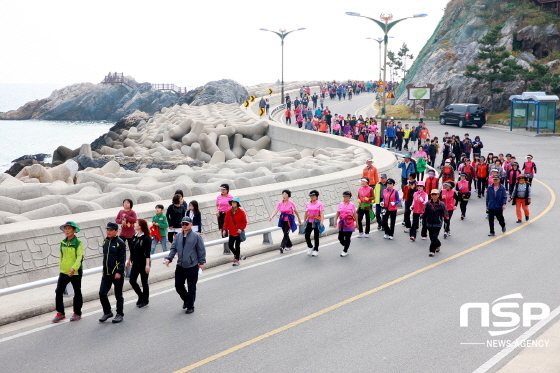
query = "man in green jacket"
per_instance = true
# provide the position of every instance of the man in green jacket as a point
(71, 257)
(378, 192)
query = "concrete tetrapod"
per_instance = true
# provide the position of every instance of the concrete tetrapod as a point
(223, 145)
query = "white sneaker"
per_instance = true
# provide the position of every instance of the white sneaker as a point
(287, 248)
(385, 236)
(424, 238)
(449, 233)
(360, 235)
(407, 230)
(366, 235)
(309, 251)
(390, 237)
(343, 253)
(315, 253)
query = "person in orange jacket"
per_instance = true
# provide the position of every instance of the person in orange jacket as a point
(370, 171)
(235, 223)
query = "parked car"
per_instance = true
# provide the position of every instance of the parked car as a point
(463, 115)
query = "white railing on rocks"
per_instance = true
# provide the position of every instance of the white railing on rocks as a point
(266, 233)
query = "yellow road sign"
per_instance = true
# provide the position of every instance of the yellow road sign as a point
(380, 89)
(246, 103)
(391, 95)
(261, 111)
(381, 82)
(252, 98)
(270, 91)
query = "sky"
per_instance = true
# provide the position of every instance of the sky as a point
(189, 43)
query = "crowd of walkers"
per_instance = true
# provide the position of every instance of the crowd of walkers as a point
(428, 201)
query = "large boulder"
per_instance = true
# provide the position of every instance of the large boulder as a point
(226, 90)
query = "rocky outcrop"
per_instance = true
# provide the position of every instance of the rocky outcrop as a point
(226, 91)
(454, 45)
(87, 101)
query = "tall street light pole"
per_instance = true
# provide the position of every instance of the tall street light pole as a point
(386, 26)
(379, 41)
(282, 34)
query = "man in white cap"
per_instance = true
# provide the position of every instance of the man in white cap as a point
(370, 171)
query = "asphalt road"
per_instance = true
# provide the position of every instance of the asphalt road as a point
(386, 307)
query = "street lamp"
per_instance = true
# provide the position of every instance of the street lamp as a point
(379, 41)
(282, 34)
(386, 26)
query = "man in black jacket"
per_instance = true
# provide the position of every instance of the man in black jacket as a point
(191, 256)
(114, 258)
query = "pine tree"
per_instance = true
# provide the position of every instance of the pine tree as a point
(495, 66)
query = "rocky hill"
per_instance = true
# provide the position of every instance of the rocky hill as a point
(529, 32)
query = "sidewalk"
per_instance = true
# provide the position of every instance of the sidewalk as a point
(26, 304)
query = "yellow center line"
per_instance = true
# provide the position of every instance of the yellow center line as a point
(369, 292)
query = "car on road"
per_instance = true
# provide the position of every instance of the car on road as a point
(463, 115)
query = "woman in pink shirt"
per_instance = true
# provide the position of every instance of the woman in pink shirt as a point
(463, 197)
(314, 215)
(222, 206)
(365, 202)
(286, 221)
(448, 197)
(390, 204)
(347, 219)
(419, 200)
(126, 218)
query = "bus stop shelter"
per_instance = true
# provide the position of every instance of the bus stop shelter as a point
(534, 111)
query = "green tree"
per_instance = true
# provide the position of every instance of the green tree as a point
(495, 66)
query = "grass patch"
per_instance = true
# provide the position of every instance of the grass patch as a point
(502, 118)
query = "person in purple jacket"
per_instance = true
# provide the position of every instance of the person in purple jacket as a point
(496, 199)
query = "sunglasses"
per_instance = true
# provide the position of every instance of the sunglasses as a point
(185, 224)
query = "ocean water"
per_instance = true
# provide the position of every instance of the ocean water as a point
(23, 137)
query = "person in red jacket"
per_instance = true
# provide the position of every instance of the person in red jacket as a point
(482, 172)
(464, 194)
(432, 182)
(235, 223)
(126, 218)
(470, 172)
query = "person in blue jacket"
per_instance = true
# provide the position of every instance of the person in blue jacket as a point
(407, 167)
(390, 133)
(496, 199)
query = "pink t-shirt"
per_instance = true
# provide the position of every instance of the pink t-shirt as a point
(223, 202)
(289, 207)
(314, 209)
(346, 210)
(365, 193)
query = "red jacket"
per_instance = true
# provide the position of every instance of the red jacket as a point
(482, 171)
(240, 218)
(431, 183)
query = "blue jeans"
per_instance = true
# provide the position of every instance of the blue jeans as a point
(163, 244)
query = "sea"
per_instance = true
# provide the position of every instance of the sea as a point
(22, 137)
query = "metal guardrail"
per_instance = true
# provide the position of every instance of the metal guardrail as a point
(267, 238)
(276, 110)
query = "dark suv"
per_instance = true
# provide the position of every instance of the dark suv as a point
(463, 114)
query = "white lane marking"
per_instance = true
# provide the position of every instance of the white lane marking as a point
(219, 275)
(521, 339)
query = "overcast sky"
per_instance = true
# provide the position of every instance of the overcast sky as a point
(191, 42)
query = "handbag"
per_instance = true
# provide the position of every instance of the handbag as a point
(242, 236)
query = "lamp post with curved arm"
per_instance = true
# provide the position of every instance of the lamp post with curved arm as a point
(386, 26)
(282, 33)
(379, 41)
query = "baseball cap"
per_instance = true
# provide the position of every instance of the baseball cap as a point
(434, 191)
(383, 176)
(186, 220)
(112, 226)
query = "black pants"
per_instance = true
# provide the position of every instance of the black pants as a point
(511, 186)
(344, 238)
(106, 282)
(463, 207)
(190, 275)
(308, 229)
(447, 222)
(406, 143)
(389, 226)
(63, 281)
(415, 224)
(398, 144)
(481, 185)
(286, 242)
(407, 213)
(171, 236)
(144, 294)
(432, 161)
(424, 230)
(288, 120)
(434, 239)
(499, 214)
(378, 216)
(221, 219)
(234, 244)
(404, 182)
(390, 141)
(420, 175)
(361, 214)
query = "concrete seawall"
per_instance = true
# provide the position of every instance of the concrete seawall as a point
(29, 251)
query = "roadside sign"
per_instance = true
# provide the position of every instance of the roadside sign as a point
(252, 98)
(391, 95)
(270, 91)
(246, 103)
(261, 111)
